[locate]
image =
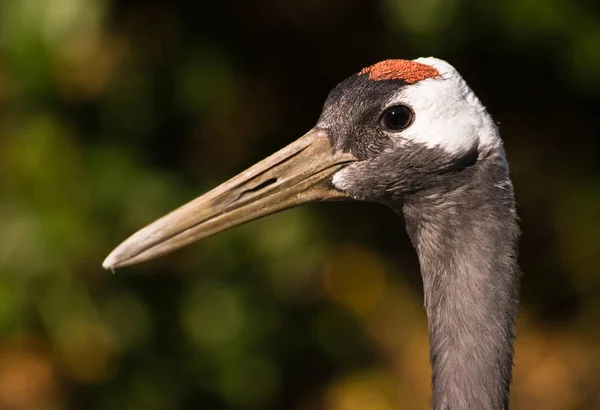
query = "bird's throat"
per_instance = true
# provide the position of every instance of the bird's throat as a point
(466, 243)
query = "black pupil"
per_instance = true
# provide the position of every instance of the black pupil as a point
(397, 118)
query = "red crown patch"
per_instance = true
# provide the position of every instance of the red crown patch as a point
(408, 71)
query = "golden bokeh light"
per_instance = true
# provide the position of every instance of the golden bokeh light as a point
(355, 277)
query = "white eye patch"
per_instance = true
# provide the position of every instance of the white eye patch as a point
(448, 115)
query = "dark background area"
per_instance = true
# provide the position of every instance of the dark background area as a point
(115, 112)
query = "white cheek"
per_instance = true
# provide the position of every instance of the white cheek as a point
(448, 115)
(340, 180)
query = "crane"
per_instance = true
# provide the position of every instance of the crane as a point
(412, 135)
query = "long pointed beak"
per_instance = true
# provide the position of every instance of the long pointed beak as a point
(297, 174)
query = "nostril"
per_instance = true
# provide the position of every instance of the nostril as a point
(260, 186)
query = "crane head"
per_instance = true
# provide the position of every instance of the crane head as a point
(394, 129)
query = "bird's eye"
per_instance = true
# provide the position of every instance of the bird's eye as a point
(397, 118)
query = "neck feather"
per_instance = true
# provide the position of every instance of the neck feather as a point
(466, 239)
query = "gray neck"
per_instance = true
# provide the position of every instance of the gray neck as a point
(465, 237)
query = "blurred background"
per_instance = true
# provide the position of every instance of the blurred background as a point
(115, 112)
